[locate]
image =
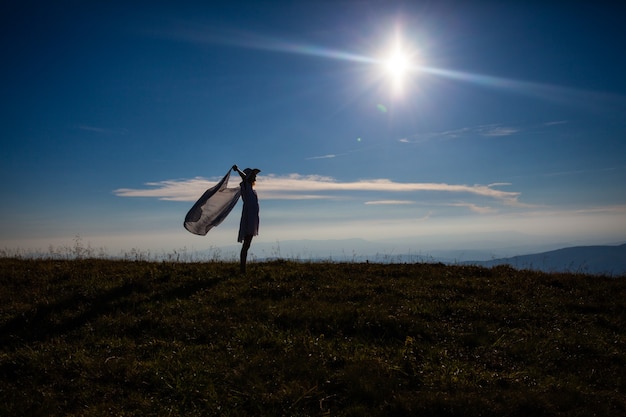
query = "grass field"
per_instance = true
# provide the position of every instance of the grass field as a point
(99, 337)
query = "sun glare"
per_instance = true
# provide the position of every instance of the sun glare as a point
(397, 64)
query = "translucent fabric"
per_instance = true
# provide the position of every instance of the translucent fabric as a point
(212, 208)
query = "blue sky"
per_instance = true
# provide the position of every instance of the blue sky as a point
(507, 127)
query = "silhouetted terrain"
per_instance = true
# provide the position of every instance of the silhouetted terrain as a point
(98, 337)
(608, 260)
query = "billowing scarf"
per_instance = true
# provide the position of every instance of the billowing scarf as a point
(212, 208)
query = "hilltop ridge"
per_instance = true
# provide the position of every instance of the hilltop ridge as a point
(92, 337)
(605, 260)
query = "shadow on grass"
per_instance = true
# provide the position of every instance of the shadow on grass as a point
(48, 320)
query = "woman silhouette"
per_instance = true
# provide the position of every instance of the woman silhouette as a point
(249, 225)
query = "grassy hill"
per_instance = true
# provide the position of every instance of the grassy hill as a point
(103, 337)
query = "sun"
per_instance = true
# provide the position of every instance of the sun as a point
(397, 64)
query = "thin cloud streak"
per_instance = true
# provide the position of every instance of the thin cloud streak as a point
(299, 183)
(329, 156)
(493, 130)
(475, 208)
(488, 131)
(302, 187)
(617, 209)
(389, 202)
(102, 130)
(556, 122)
(500, 131)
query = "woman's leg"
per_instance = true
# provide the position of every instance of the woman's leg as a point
(244, 253)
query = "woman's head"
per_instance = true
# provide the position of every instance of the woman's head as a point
(251, 174)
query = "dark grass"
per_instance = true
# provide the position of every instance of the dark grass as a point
(102, 337)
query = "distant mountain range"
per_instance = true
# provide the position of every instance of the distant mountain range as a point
(606, 260)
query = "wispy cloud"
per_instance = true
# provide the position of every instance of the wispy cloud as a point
(499, 131)
(619, 209)
(556, 122)
(304, 187)
(172, 190)
(102, 130)
(329, 156)
(475, 208)
(389, 202)
(484, 131)
(491, 130)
